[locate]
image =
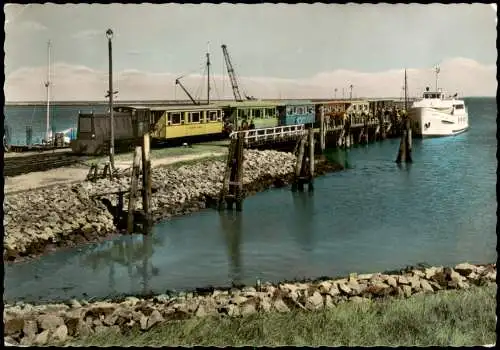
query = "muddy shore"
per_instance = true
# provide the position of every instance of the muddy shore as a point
(45, 220)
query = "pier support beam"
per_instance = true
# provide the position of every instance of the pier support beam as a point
(404, 154)
(146, 178)
(322, 130)
(232, 187)
(304, 168)
(133, 189)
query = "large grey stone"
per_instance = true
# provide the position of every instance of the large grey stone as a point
(49, 322)
(314, 302)
(60, 334)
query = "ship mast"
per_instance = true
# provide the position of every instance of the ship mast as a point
(47, 86)
(437, 70)
(208, 72)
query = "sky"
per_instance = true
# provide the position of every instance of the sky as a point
(277, 50)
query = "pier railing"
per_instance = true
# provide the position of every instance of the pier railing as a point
(276, 134)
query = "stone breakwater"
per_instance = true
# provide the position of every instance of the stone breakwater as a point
(41, 220)
(42, 324)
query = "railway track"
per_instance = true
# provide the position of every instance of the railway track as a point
(14, 166)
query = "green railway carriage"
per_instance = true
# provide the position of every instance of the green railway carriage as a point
(246, 114)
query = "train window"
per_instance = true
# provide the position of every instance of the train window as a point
(85, 125)
(299, 110)
(257, 113)
(174, 118)
(310, 110)
(195, 117)
(243, 113)
(212, 116)
(289, 111)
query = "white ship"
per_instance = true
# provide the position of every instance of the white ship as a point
(437, 115)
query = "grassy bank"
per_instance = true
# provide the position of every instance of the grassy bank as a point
(458, 318)
(158, 153)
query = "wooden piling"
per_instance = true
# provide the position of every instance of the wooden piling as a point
(298, 165)
(146, 177)
(404, 154)
(133, 189)
(119, 207)
(322, 131)
(311, 159)
(232, 187)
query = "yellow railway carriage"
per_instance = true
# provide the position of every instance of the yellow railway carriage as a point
(173, 122)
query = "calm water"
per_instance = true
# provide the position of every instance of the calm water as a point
(61, 118)
(373, 217)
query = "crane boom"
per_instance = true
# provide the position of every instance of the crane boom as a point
(178, 82)
(232, 76)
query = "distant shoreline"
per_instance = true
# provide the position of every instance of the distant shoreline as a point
(135, 102)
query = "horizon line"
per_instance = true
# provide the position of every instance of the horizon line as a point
(228, 99)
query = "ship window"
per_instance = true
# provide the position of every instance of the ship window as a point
(459, 106)
(195, 117)
(175, 118)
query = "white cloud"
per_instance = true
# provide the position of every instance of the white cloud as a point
(25, 26)
(89, 34)
(462, 75)
(134, 53)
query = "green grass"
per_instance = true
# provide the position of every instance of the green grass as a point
(214, 146)
(458, 318)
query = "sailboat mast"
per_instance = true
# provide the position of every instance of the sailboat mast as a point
(47, 85)
(406, 93)
(208, 72)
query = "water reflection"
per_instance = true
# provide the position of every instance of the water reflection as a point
(303, 203)
(231, 225)
(134, 252)
(341, 156)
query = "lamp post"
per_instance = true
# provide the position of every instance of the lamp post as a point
(350, 95)
(109, 35)
(335, 93)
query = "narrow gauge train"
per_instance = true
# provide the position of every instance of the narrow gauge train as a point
(168, 124)
(297, 112)
(268, 114)
(173, 124)
(334, 112)
(250, 114)
(93, 134)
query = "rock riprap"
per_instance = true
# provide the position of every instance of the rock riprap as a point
(42, 324)
(70, 213)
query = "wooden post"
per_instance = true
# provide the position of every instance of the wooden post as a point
(238, 191)
(105, 171)
(408, 127)
(146, 177)
(404, 154)
(298, 165)
(119, 207)
(227, 174)
(133, 189)
(311, 159)
(322, 130)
